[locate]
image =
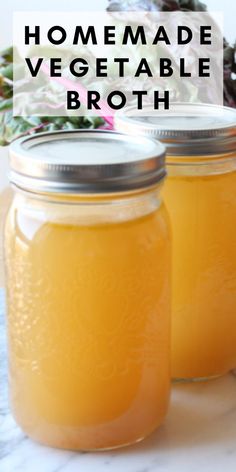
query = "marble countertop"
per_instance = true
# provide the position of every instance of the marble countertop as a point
(199, 435)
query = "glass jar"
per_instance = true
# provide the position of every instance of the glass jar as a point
(200, 194)
(87, 247)
(5, 199)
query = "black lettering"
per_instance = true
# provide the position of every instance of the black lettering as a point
(143, 68)
(204, 67)
(140, 94)
(165, 67)
(90, 35)
(55, 67)
(204, 34)
(35, 35)
(60, 30)
(114, 94)
(182, 72)
(161, 36)
(121, 61)
(109, 35)
(189, 36)
(82, 69)
(101, 67)
(93, 99)
(158, 100)
(73, 102)
(139, 35)
(34, 70)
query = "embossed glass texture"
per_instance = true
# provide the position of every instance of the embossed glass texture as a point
(88, 284)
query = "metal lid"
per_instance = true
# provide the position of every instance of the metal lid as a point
(85, 161)
(186, 129)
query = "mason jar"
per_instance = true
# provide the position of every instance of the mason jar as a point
(200, 194)
(87, 248)
(5, 199)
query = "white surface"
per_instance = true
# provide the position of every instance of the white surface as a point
(228, 7)
(199, 435)
(97, 151)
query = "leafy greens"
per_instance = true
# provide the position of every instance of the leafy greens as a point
(14, 127)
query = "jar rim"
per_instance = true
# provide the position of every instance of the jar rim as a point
(86, 161)
(185, 129)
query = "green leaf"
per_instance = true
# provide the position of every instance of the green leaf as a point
(6, 105)
(7, 54)
(7, 71)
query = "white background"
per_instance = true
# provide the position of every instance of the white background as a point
(228, 7)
